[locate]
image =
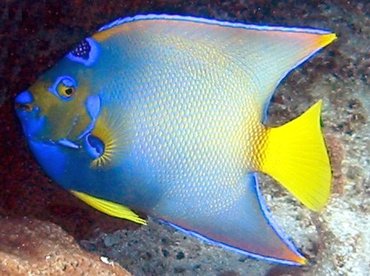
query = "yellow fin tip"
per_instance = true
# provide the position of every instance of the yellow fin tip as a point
(110, 208)
(326, 39)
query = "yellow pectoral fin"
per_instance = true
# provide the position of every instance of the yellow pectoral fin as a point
(112, 131)
(110, 208)
(296, 156)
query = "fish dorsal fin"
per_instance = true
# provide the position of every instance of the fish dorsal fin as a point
(110, 208)
(265, 53)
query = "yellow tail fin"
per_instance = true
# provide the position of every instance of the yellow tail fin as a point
(296, 156)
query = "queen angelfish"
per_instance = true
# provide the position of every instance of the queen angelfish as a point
(164, 115)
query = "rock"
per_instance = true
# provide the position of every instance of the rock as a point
(33, 247)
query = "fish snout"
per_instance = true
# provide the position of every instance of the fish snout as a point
(24, 102)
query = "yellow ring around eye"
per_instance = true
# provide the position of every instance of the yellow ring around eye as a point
(65, 91)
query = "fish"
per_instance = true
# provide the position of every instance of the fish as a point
(165, 115)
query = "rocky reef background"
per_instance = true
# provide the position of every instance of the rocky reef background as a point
(43, 229)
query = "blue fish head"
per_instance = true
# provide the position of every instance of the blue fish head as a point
(63, 104)
(59, 111)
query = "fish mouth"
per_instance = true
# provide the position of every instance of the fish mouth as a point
(29, 114)
(31, 119)
(24, 101)
(26, 107)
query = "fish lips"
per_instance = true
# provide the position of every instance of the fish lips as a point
(29, 114)
(31, 119)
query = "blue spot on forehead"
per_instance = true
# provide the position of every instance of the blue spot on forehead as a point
(82, 50)
(86, 52)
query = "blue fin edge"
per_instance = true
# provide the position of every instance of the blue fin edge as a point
(123, 20)
(266, 212)
(267, 102)
(270, 221)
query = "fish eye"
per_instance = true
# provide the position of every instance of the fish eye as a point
(66, 87)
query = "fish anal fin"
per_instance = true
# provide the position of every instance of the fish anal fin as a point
(243, 226)
(108, 207)
(295, 155)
